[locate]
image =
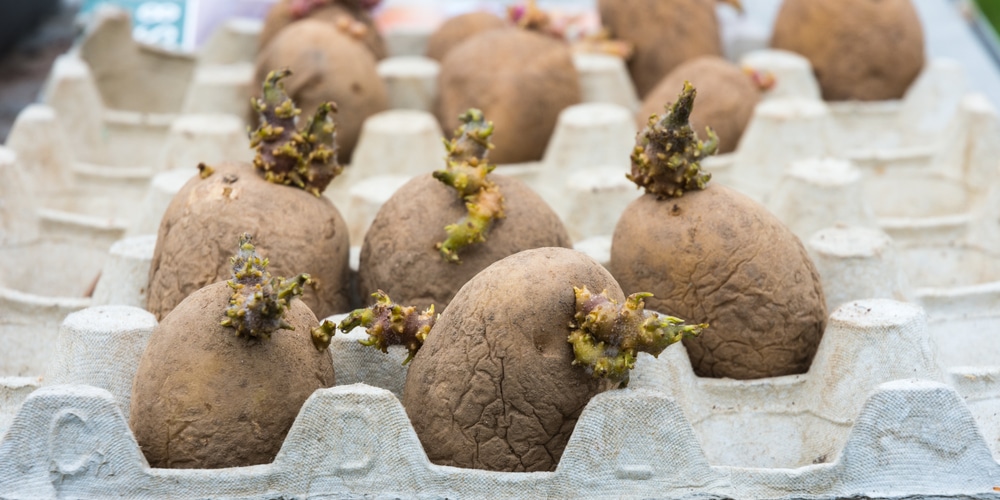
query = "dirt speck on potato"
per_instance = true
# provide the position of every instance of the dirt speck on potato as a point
(298, 231)
(205, 398)
(399, 257)
(493, 386)
(862, 50)
(724, 260)
(520, 79)
(726, 98)
(665, 33)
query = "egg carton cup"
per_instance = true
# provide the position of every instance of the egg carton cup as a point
(945, 196)
(113, 114)
(76, 276)
(871, 418)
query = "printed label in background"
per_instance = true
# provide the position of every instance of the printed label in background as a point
(165, 23)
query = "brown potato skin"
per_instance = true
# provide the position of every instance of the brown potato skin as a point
(280, 16)
(326, 65)
(298, 232)
(718, 257)
(665, 33)
(458, 29)
(726, 98)
(398, 255)
(859, 49)
(493, 386)
(205, 398)
(520, 80)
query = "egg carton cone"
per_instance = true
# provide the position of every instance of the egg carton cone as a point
(871, 418)
(234, 42)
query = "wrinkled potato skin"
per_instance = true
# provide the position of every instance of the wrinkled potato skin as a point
(717, 257)
(326, 65)
(280, 16)
(520, 80)
(493, 386)
(205, 398)
(726, 98)
(665, 34)
(459, 28)
(298, 232)
(860, 49)
(398, 255)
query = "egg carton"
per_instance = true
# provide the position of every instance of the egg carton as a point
(587, 153)
(77, 166)
(853, 262)
(141, 104)
(60, 218)
(581, 174)
(894, 446)
(120, 126)
(873, 417)
(127, 111)
(922, 169)
(582, 171)
(114, 112)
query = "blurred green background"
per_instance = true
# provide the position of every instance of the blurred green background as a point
(991, 9)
